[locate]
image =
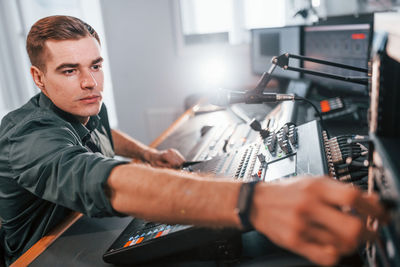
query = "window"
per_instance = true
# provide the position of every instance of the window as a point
(14, 83)
(206, 16)
(264, 13)
(227, 21)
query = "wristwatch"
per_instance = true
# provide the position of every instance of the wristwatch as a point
(244, 202)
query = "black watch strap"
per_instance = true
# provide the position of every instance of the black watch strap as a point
(244, 202)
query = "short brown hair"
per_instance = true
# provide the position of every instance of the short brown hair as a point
(54, 28)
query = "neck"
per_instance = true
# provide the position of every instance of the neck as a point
(83, 120)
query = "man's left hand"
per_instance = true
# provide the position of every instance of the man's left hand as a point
(170, 158)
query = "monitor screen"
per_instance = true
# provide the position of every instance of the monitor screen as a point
(270, 42)
(343, 43)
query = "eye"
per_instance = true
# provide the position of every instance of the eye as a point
(68, 71)
(97, 67)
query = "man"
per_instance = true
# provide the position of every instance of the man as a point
(56, 155)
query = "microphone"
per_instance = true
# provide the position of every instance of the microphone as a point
(225, 97)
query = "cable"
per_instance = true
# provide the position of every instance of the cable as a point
(315, 108)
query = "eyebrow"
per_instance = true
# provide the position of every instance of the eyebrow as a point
(75, 65)
(97, 60)
(66, 65)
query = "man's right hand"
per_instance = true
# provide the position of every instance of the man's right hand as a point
(318, 218)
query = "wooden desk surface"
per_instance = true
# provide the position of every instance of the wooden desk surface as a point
(39, 247)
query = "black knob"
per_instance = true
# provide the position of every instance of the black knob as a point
(271, 142)
(255, 125)
(264, 134)
(261, 158)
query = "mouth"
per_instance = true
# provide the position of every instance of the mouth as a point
(90, 99)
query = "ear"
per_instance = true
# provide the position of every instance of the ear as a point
(38, 76)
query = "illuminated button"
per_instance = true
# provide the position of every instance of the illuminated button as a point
(140, 239)
(325, 107)
(158, 234)
(358, 36)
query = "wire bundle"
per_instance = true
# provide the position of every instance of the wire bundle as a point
(350, 160)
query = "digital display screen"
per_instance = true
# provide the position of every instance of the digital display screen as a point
(345, 44)
(281, 168)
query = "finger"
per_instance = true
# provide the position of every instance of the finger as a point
(179, 155)
(317, 234)
(320, 235)
(341, 195)
(173, 158)
(170, 162)
(338, 194)
(167, 163)
(162, 164)
(347, 229)
(176, 156)
(370, 205)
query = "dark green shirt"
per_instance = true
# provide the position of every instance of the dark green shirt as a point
(50, 164)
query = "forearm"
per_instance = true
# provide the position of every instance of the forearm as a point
(126, 146)
(173, 197)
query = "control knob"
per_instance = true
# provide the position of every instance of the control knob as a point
(286, 148)
(271, 143)
(293, 135)
(261, 158)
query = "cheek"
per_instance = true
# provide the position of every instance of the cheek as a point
(99, 76)
(61, 90)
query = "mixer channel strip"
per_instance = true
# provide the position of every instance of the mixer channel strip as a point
(247, 162)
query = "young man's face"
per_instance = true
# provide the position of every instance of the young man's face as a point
(73, 79)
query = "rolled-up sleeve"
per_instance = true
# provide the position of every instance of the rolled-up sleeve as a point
(51, 163)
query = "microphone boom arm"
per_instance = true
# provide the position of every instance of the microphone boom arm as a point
(282, 61)
(264, 80)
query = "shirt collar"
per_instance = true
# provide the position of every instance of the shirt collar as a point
(82, 130)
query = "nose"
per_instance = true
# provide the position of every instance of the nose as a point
(88, 81)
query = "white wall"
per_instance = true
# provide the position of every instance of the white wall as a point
(150, 75)
(151, 72)
(340, 7)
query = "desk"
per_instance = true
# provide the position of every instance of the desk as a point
(84, 243)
